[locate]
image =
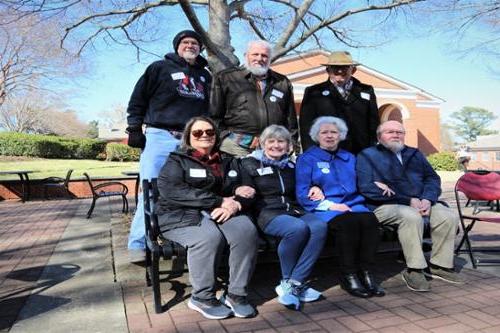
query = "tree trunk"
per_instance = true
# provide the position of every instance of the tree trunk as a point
(218, 30)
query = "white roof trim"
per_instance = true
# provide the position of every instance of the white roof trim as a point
(300, 56)
(301, 74)
(395, 93)
(428, 104)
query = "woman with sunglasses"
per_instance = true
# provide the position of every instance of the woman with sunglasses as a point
(198, 210)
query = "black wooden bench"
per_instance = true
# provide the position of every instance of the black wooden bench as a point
(157, 247)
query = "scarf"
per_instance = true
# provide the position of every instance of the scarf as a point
(259, 155)
(211, 161)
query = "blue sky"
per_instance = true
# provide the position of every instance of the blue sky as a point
(430, 62)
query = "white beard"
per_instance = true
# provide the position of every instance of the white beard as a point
(395, 147)
(188, 55)
(257, 70)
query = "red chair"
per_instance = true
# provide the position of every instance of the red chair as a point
(476, 187)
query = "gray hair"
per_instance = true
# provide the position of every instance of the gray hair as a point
(275, 132)
(339, 123)
(260, 42)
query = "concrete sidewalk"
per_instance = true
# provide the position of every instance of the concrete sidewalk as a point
(60, 272)
(64, 262)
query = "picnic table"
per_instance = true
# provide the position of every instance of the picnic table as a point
(25, 182)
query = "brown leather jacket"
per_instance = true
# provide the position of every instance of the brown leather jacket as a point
(237, 104)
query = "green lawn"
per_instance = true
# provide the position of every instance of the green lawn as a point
(49, 167)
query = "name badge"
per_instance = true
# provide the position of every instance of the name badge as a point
(323, 165)
(198, 173)
(265, 171)
(178, 76)
(365, 96)
(277, 93)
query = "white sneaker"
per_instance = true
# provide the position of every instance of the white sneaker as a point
(287, 295)
(308, 294)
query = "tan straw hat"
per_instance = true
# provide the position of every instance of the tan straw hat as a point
(340, 58)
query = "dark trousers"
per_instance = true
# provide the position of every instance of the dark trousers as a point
(356, 238)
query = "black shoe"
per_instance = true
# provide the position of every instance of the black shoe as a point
(351, 284)
(369, 283)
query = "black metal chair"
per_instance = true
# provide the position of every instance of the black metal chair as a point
(107, 189)
(57, 183)
(156, 246)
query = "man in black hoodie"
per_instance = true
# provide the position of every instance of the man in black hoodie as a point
(168, 94)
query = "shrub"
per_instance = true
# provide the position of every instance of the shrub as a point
(444, 161)
(48, 146)
(90, 149)
(121, 152)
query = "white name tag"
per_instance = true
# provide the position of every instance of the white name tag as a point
(198, 173)
(323, 165)
(178, 76)
(365, 96)
(277, 93)
(265, 171)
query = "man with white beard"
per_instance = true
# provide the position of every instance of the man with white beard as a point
(245, 100)
(402, 189)
(168, 94)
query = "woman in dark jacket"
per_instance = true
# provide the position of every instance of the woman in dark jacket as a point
(355, 227)
(198, 210)
(272, 175)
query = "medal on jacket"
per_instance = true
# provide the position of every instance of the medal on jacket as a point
(324, 166)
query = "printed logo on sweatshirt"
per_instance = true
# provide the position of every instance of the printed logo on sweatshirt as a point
(188, 87)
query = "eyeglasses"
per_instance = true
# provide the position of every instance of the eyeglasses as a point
(199, 133)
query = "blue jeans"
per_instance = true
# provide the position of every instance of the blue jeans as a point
(159, 144)
(302, 240)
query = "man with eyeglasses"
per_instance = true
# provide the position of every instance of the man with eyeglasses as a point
(345, 97)
(402, 189)
(168, 94)
(245, 100)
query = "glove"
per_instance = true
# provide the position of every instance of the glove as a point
(136, 139)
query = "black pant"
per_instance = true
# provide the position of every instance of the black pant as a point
(356, 239)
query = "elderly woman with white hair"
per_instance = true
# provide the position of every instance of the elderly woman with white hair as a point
(343, 208)
(302, 235)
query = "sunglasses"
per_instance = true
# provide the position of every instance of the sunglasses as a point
(199, 133)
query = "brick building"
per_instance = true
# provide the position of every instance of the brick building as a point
(397, 100)
(485, 153)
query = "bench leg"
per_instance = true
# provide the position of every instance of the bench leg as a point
(148, 266)
(155, 277)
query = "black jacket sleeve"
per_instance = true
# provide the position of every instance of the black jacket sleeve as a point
(306, 117)
(139, 101)
(374, 117)
(292, 123)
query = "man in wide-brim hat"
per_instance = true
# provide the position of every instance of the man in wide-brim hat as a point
(345, 97)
